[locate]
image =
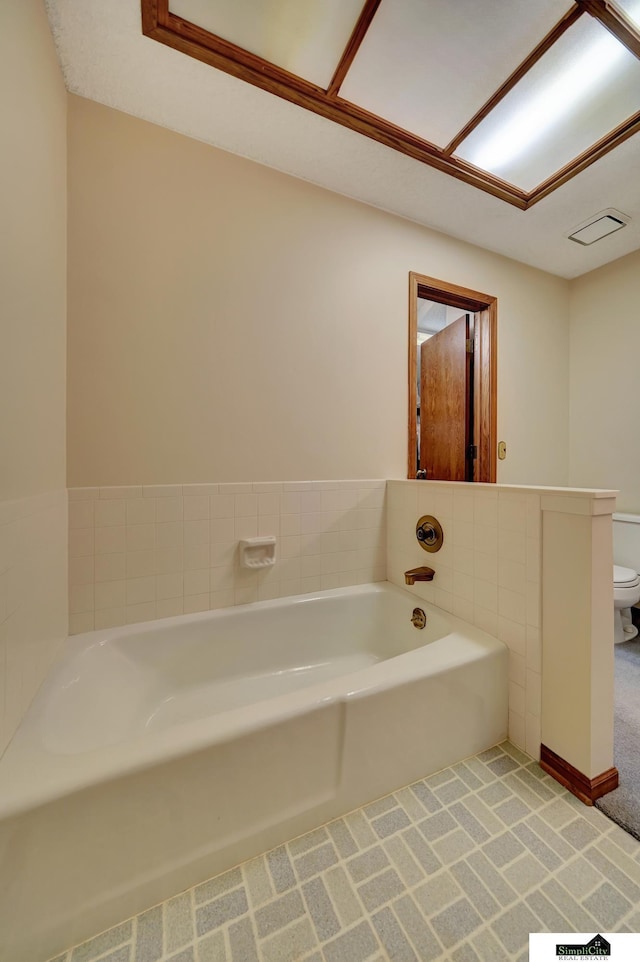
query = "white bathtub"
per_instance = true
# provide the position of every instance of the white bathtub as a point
(157, 755)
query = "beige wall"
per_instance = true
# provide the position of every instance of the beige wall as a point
(33, 503)
(32, 254)
(605, 352)
(228, 322)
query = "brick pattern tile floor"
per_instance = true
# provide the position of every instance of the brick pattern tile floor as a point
(460, 866)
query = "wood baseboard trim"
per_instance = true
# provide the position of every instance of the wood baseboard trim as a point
(586, 789)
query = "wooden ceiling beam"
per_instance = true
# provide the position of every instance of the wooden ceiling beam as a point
(364, 22)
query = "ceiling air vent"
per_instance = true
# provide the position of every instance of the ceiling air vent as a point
(598, 226)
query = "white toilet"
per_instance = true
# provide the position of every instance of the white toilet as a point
(626, 580)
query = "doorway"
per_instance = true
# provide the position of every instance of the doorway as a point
(452, 382)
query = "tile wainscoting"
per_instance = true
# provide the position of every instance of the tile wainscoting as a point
(487, 572)
(33, 599)
(153, 551)
(144, 552)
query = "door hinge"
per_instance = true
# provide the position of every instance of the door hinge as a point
(472, 452)
(469, 345)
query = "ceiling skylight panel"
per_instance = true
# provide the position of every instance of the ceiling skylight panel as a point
(428, 65)
(305, 37)
(581, 89)
(632, 10)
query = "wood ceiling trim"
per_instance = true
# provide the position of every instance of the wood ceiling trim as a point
(545, 44)
(158, 23)
(364, 22)
(607, 143)
(616, 23)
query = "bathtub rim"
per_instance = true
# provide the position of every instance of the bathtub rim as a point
(60, 774)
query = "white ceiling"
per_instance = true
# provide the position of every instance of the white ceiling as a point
(105, 58)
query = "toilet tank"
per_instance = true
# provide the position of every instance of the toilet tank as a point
(626, 540)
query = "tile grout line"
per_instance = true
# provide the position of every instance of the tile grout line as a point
(343, 861)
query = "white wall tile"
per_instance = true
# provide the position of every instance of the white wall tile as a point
(80, 622)
(463, 609)
(513, 635)
(169, 509)
(196, 556)
(517, 669)
(196, 508)
(512, 545)
(141, 537)
(486, 595)
(499, 531)
(533, 735)
(517, 733)
(200, 490)
(512, 575)
(245, 527)
(139, 564)
(463, 534)
(158, 550)
(142, 612)
(463, 586)
(110, 540)
(268, 504)
(534, 648)
(141, 511)
(169, 586)
(80, 514)
(139, 590)
(269, 525)
(168, 560)
(512, 512)
(196, 532)
(486, 509)
(533, 555)
(486, 620)
(81, 572)
(109, 512)
(109, 595)
(222, 599)
(161, 490)
(512, 605)
(168, 534)
(110, 567)
(80, 599)
(485, 566)
(170, 607)
(196, 582)
(109, 618)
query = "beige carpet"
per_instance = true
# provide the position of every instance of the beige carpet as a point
(623, 804)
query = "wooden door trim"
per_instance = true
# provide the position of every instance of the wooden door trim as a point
(485, 306)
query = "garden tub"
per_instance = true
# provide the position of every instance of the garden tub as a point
(159, 754)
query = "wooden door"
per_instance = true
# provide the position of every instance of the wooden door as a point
(444, 404)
